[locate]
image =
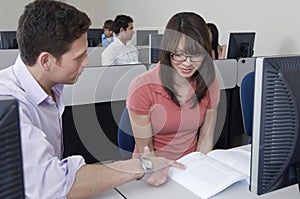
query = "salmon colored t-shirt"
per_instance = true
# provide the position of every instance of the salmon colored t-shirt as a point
(174, 128)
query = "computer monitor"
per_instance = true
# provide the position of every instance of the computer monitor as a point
(142, 37)
(155, 46)
(94, 37)
(275, 159)
(8, 40)
(240, 44)
(11, 169)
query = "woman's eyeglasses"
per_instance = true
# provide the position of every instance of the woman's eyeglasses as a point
(183, 58)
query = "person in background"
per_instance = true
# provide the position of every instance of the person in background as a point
(218, 51)
(121, 50)
(52, 38)
(107, 36)
(173, 107)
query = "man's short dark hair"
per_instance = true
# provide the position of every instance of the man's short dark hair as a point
(108, 24)
(49, 26)
(121, 21)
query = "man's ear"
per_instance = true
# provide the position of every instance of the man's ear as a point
(44, 60)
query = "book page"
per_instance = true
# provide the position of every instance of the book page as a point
(204, 175)
(235, 158)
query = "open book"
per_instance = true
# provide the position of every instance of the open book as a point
(207, 175)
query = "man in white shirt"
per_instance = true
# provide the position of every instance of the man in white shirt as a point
(121, 50)
(52, 38)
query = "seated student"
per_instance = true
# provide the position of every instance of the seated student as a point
(52, 39)
(107, 36)
(218, 51)
(121, 50)
(169, 103)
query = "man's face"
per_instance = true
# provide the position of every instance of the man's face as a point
(128, 33)
(72, 63)
(108, 33)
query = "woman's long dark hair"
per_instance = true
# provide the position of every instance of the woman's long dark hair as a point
(193, 29)
(215, 38)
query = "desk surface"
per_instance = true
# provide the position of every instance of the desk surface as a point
(171, 189)
(110, 194)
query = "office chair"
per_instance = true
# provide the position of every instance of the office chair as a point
(246, 98)
(126, 140)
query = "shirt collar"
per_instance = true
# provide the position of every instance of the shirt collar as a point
(34, 91)
(116, 39)
(103, 36)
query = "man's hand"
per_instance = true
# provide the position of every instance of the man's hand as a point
(161, 167)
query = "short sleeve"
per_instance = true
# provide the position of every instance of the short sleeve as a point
(214, 94)
(139, 98)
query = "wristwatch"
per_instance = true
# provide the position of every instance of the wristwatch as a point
(147, 166)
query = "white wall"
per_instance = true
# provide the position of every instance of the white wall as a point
(10, 10)
(276, 22)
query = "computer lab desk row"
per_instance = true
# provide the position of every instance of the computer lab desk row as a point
(171, 189)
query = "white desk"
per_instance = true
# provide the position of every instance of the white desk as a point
(110, 194)
(171, 189)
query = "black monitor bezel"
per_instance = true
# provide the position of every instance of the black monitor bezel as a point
(94, 37)
(265, 125)
(8, 40)
(11, 169)
(236, 40)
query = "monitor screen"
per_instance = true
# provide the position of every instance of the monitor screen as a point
(240, 44)
(155, 46)
(11, 169)
(275, 159)
(8, 40)
(142, 37)
(94, 37)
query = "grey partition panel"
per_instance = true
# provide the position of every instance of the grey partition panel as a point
(8, 57)
(95, 55)
(226, 73)
(226, 70)
(244, 66)
(143, 54)
(93, 109)
(102, 84)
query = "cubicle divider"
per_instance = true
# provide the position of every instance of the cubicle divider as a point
(226, 71)
(238, 136)
(245, 66)
(93, 108)
(8, 57)
(95, 55)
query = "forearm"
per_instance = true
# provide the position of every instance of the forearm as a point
(94, 179)
(142, 131)
(205, 144)
(142, 142)
(207, 130)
